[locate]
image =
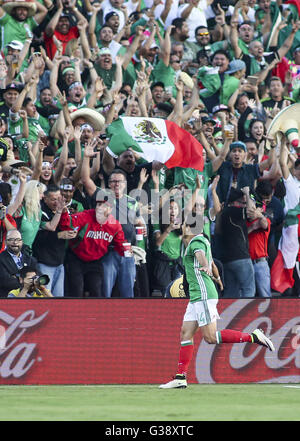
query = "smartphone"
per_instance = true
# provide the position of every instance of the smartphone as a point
(252, 80)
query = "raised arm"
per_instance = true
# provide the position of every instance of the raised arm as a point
(12, 208)
(283, 159)
(87, 182)
(41, 10)
(50, 28)
(283, 50)
(133, 47)
(177, 113)
(166, 48)
(218, 161)
(234, 36)
(63, 157)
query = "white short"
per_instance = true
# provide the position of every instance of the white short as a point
(203, 312)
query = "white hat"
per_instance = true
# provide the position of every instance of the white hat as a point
(15, 44)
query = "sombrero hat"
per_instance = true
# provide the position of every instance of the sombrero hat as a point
(92, 117)
(9, 6)
(186, 79)
(287, 121)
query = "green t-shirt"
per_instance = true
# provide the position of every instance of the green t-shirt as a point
(34, 128)
(171, 245)
(188, 176)
(166, 74)
(14, 30)
(230, 85)
(201, 286)
(29, 227)
(14, 128)
(35, 125)
(107, 76)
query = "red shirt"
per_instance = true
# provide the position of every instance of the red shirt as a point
(298, 260)
(3, 231)
(64, 38)
(93, 239)
(258, 241)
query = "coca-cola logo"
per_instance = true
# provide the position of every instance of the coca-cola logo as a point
(246, 363)
(17, 358)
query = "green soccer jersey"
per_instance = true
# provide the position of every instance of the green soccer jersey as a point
(14, 30)
(201, 286)
(188, 177)
(166, 74)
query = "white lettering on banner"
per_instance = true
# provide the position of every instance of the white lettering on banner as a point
(237, 359)
(19, 360)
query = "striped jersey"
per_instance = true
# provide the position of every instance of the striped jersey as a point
(201, 286)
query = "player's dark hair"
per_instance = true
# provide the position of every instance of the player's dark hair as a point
(27, 269)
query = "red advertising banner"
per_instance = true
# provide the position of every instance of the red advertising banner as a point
(136, 341)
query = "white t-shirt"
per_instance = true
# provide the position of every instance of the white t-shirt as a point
(173, 13)
(107, 8)
(196, 18)
(292, 197)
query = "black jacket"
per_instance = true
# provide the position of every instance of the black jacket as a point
(47, 247)
(9, 271)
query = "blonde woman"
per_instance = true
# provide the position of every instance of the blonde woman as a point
(29, 214)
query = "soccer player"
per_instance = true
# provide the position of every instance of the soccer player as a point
(202, 311)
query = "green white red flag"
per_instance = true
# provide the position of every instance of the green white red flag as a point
(155, 139)
(288, 248)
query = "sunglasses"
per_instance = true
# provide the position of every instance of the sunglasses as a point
(202, 33)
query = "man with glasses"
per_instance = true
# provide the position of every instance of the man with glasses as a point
(125, 209)
(12, 260)
(203, 42)
(97, 232)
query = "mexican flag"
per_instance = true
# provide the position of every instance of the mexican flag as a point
(155, 139)
(288, 247)
(210, 81)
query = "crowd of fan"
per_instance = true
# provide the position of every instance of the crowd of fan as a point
(69, 68)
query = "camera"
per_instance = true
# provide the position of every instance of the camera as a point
(41, 280)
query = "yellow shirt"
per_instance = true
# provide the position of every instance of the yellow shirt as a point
(16, 293)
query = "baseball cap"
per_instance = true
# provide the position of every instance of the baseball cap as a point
(111, 14)
(234, 195)
(64, 14)
(220, 108)
(238, 145)
(14, 86)
(236, 65)
(207, 119)
(15, 44)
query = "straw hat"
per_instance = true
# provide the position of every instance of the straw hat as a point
(287, 121)
(92, 117)
(186, 79)
(9, 6)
